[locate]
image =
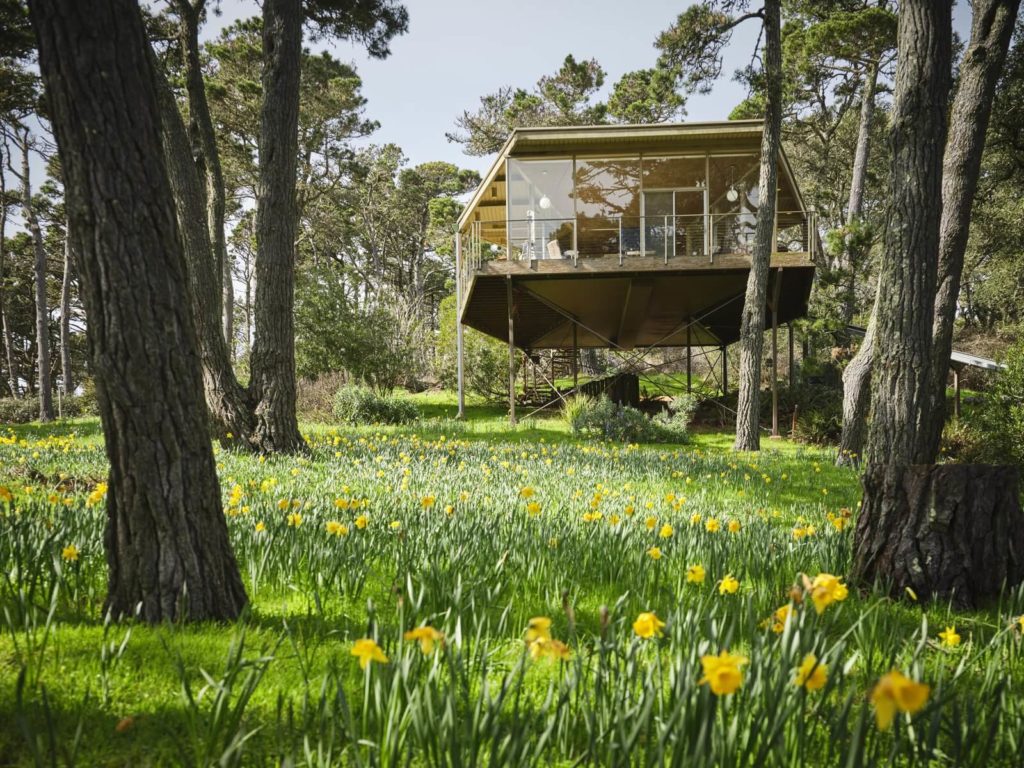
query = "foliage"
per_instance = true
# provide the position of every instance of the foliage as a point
(485, 358)
(620, 423)
(354, 404)
(1000, 418)
(450, 542)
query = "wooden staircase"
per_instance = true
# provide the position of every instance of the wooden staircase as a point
(541, 370)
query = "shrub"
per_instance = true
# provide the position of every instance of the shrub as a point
(485, 359)
(1000, 417)
(15, 410)
(621, 423)
(361, 405)
(314, 398)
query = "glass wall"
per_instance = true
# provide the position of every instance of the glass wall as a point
(733, 200)
(608, 205)
(541, 213)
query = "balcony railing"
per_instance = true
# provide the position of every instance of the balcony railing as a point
(662, 237)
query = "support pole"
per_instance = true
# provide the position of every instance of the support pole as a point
(956, 394)
(511, 355)
(725, 371)
(775, 373)
(459, 343)
(792, 363)
(575, 358)
(689, 361)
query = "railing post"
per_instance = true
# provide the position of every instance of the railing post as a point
(664, 236)
(710, 237)
(459, 348)
(620, 239)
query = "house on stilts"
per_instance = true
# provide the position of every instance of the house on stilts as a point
(625, 237)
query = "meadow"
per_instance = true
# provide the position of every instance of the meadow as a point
(465, 593)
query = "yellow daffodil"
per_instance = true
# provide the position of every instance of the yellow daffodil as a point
(362, 521)
(552, 649)
(648, 625)
(426, 636)
(334, 528)
(5, 494)
(779, 617)
(260, 527)
(294, 519)
(894, 693)
(729, 585)
(812, 674)
(949, 637)
(395, 525)
(654, 553)
(526, 492)
(734, 526)
(367, 650)
(712, 525)
(695, 574)
(533, 508)
(650, 522)
(695, 518)
(825, 590)
(722, 672)
(538, 628)
(342, 503)
(666, 531)
(70, 553)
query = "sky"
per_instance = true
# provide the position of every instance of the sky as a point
(458, 50)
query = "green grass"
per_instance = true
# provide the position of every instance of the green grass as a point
(469, 558)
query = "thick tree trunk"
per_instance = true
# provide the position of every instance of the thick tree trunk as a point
(900, 388)
(748, 409)
(946, 532)
(166, 539)
(273, 356)
(228, 402)
(991, 29)
(39, 283)
(207, 157)
(857, 399)
(67, 378)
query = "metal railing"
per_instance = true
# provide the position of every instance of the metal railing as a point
(664, 237)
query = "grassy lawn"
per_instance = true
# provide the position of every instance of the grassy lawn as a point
(475, 528)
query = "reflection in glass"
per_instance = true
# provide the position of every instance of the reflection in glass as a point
(540, 208)
(733, 201)
(607, 205)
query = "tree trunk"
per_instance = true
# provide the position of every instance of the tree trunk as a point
(228, 402)
(900, 389)
(39, 278)
(857, 398)
(207, 157)
(67, 379)
(991, 29)
(855, 205)
(273, 356)
(946, 532)
(166, 538)
(12, 373)
(748, 409)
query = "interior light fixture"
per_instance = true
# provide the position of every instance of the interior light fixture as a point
(544, 202)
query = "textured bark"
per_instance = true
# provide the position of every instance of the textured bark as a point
(748, 409)
(273, 355)
(991, 29)
(67, 378)
(900, 386)
(207, 157)
(857, 399)
(166, 539)
(228, 402)
(946, 532)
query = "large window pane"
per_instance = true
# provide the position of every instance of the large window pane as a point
(733, 201)
(607, 205)
(540, 208)
(673, 172)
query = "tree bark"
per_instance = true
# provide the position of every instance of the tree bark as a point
(228, 402)
(273, 356)
(748, 409)
(166, 538)
(12, 373)
(67, 379)
(39, 280)
(207, 157)
(992, 27)
(946, 532)
(900, 389)
(857, 398)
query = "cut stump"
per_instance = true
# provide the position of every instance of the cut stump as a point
(948, 531)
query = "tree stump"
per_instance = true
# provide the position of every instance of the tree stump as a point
(949, 531)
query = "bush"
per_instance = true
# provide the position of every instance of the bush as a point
(999, 419)
(620, 423)
(361, 405)
(486, 359)
(314, 398)
(14, 410)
